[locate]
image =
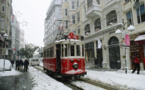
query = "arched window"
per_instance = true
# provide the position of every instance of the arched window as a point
(87, 29)
(111, 17)
(97, 24)
(89, 3)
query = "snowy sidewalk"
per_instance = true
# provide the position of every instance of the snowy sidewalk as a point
(118, 78)
(40, 81)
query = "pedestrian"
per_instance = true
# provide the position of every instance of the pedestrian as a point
(12, 62)
(26, 64)
(136, 64)
(17, 64)
(96, 62)
(21, 62)
(21, 65)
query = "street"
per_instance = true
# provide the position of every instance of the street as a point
(18, 82)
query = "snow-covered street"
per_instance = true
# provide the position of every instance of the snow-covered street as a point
(42, 81)
(119, 78)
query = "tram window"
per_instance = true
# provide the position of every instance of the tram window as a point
(78, 50)
(44, 53)
(65, 49)
(82, 50)
(72, 50)
(48, 52)
(51, 52)
(62, 50)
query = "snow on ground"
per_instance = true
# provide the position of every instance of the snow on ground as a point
(119, 78)
(10, 73)
(87, 86)
(44, 82)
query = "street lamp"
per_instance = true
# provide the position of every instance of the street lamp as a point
(5, 37)
(118, 31)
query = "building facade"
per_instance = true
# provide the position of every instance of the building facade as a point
(22, 40)
(5, 27)
(51, 25)
(16, 34)
(99, 19)
(134, 12)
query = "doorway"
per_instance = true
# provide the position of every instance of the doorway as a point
(114, 53)
(58, 58)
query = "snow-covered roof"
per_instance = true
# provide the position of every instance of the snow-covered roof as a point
(62, 40)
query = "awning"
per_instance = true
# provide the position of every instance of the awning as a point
(140, 40)
(1, 38)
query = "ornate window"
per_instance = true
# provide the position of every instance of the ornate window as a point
(73, 4)
(97, 24)
(129, 17)
(87, 29)
(126, 1)
(73, 19)
(89, 3)
(141, 13)
(66, 12)
(98, 2)
(78, 16)
(111, 17)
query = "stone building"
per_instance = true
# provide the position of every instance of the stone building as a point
(99, 19)
(51, 25)
(5, 27)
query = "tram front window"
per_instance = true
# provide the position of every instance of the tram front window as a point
(72, 50)
(65, 49)
(78, 50)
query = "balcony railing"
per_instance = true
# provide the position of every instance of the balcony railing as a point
(93, 10)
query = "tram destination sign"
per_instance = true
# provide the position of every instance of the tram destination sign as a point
(72, 36)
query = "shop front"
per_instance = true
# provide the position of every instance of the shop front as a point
(138, 48)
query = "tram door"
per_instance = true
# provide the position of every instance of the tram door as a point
(58, 58)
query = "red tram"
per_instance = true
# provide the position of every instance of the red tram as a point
(65, 57)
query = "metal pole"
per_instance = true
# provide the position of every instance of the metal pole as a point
(4, 57)
(125, 62)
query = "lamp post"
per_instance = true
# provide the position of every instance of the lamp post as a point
(130, 28)
(5, 37)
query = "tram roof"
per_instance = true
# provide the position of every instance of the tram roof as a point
(63, 40)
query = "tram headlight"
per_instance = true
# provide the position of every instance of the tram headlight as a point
(72, 60)
(78, 60)
(75, 66)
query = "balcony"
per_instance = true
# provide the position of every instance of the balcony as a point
(94, 10)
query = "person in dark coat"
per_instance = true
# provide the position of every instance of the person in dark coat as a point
(26, 64)
(21, 62)
(12, 62)
(136, 64)
(96, 62)
(17, 64)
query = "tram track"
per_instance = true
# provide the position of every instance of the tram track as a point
(64, 81)
(98, 84)
(70, 84)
